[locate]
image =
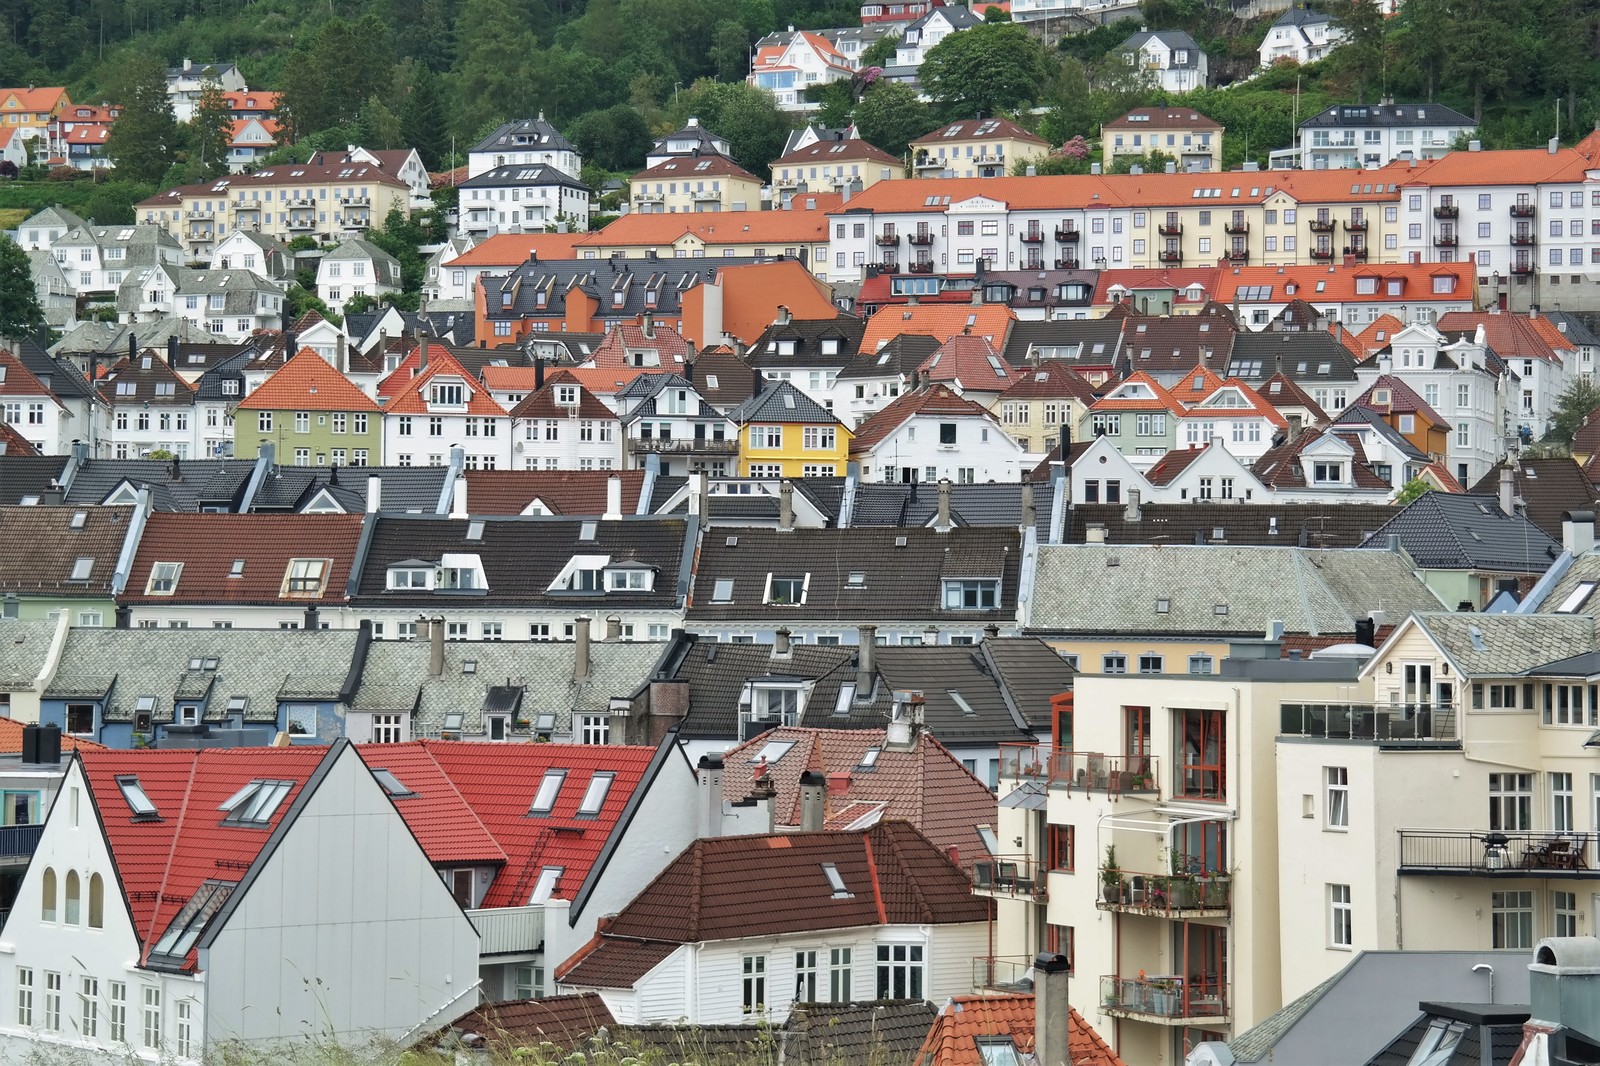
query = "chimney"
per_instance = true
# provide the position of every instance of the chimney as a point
(172, 349)
(133, 347)
(647, 326)
(757, 382)
(708, 793)
(784, 317)
(538, 373)
(422, 351)
(374, 493)
(614, 627)
(436, 646)
(697, 488)
(866, 637)
(813, 798)
(942, 524)
(1367, 632)
(688, 371)
(580, 648)
(342, 358)
(313, 618)
(780, 643)
(613, 499)
(1132, 513)
(1577, 531)
(1051, 1013)
(1508, 491)
(1029, 514)
(458, 497)
(785, 507)
(1564, 991)
(124, 617)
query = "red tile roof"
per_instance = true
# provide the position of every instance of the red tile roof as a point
(511, 249)
(1280, 391)
(307, 382)
(971, 362)
(542, 404)
(1159, 399)
(925, 786)
(1280, 467)
(612, 351)
(1172, 464)
(17, 380)
(1511, 336)
(209, 545)
(251, 100)
(410, 398)
(1323, 284)
(726, 888)
(953, 1040)
(11, 739)
(567, 492)
(438, 815)
(162, 861)
(933, 400)
(1403, 400)
(1244, 392)
(13, 442)
(939, 321)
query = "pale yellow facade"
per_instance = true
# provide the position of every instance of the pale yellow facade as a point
(329, 209)
(1036, 423)
(1271, 230)
(654, 193)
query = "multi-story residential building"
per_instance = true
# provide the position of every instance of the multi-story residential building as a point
(186, 81)
(224, 303)
(691, 139)
(1300, 35)
(253, 251)
(297, 199)
(785, 433)
(837, 163)
(32, 410)
(793, 63)
(1137, 415)
(934, 434)
(150, 409)
(76, 562)
(1167, 59)
(1368, 136)
(403, 163)
(1399, 406)
(923, 33)
(98, 259)
(355, 268)
(973, 148)
(77, 135)
(437, 405)
(1191, 138)
(519, 198)
(524, 142)
(1541, 357)
(31, 109)
(694, 183)
(312, 415)
(876, 12)
(807, 353)
(39, 231)
(563, 426)
(666, 417)
(798, 232)
(1046, 401)
(1233, 413)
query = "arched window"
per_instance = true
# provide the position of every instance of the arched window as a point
(97, 902)
(72, 910)
(47, 904)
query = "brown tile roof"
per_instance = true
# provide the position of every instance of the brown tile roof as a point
(1403, 399)
(210, 545)
(1548, 488)
(694, 167)
(17, 380)
(151, 381)
(542, 404)
(1280, 391)
(500, 1029)
(307, 382)
(1587, 440)
(829, 152)
(566, 492)
(1050, 379)
(969, 128)
(1279, 467)
(971, 362)
(726, 888)
(1172, 464)
(925, 786)
(14, 443)
(933, 400)
(1511, 336)
(54, 547)
(953, 1040)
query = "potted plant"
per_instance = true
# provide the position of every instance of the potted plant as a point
(1111, 877)
(1164, 993)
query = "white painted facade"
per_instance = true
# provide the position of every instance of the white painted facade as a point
(426, 439)
(980, 450)
(1238, 420)
(1303, 38)
(95, 259)
(345, 275)
(522, 207)
(1556, 232)
(133, 431)
(40, 418)
(570, 443)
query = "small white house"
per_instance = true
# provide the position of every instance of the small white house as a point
(356, 268)
(441, 407)
(1167, 59)
(935, 435)
(564, 426)
(257, 253)
(1300, 34)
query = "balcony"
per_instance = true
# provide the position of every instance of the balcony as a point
(1390, 724)
(1321, 255)
(1521, 210)
(1357, 253)
(1322, 225)
(706, 196)
(1010, 877)
(304, 222)
(1238, 227)
(1067, 234)
(1114, 775)
(1238, 256)
(1066, 264)
(1170, 229)
(17, 843)
(1356, 225)
(1170, 256)
(1032, 236)
(1167, 1000)
(888, 239)
(1524, 240)
(921, 268)
(1447, 211)
(1522, 268)
(921, 238)
(356, 201)
(1165, 895)
(1445, 240)
(889, 266)
(682, 446)
(1470, 853)
(508, 930)
(1002, 973)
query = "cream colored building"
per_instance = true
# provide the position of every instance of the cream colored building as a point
(291, 200)
(975, 148)
(687, 183)
(1190, 138)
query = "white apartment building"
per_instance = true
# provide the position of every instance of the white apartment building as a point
(525, 142)
(441, 408)
(97, 259)
(522, 198)
(1366, 136)
(563, 426)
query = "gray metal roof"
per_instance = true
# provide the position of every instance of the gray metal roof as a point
(1176, 40)
(1451, 531)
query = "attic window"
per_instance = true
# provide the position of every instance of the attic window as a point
(238, 568)
(1576, 598)
(305, 577)
(790, 589)
(723, 591)
(475, 530)
(594, 797)
(452, 723)
(237, 704)
(138, 802)
(869, 758)
(79, 518)
(81, 568)
(1220, 609)
(192, 919)
(549, 877)
(470, 666)
(856, 580)
(835, 882)
(391, 784)
(255, 803)
(960, 701)
(164, 579)
(1163, 605)
(772, 751)
(145, 704)
(997, 1051)
(544, 800)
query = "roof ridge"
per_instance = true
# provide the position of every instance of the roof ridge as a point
(697, 872)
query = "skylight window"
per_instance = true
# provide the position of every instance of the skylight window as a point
(544, 800)
(470, 666)
(847, 696)
(869, 758)
(723, 591)
(772, 751)
(145, 704)
(961, 702)
(452, 722)
(391, 784)
(79, 519)
(81, 568)
(192, 919)
(549, 878)
(856, 580)
(237, 569)
(256, 803)
(138, 802)
(835, 882)
(1576, 598)
(237, 704)
(594, 797)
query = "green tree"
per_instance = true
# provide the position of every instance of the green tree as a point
(1360, 54)
(614, 139)
(748, 117)
(143, 141)
(1070, 102)
(1154, 163)
(880, 53)
(730, 50)
(993, 67)
(20, 315)
(1575, 406)
(1411, 491)
(298, 300)
(379, 126)
(423, 121)
(211, 129)
(890, 116)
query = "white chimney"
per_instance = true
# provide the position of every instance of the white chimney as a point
(613, 499)
(1132, 512)
(1577, 531)
(458, 497)
(374, 493)
(708, 796)
(942, 524)
(813, 801)
(580, 648)
(785, 507)
(1508, 492)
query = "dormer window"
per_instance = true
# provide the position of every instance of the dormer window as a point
(306, 577)
(460, 573)
(567, 395)
(583, 573)
(415, 575)
(773, 703)
(787, 588)
(447, 394)
(1327, 473)
(164, 579)
(970, 594)
(830, 346)
(629, 579)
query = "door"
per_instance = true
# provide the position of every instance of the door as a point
(461, 886)
(1418, 683)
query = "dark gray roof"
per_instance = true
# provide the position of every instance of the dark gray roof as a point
(415, 489)
(1300, 15)
(962, 698)
(781, 402)
(1030, 672)
(1076, 342)
(1392, 115)
(959, 17)
(231, 368)
(525, 135)
(523, 175)
(1574, 327)
(599, 279)
(1548, 488)
(187, 485)
(1308, 359)
(55, 373)
(1305, 525)
(879, 503)
(28, 475)
(1492, 1035)
(808, 335)
(1176, 40)
(1447, 531)
(1362, 416)
(901, 355)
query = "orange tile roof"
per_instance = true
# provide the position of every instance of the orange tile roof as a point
(1136, 280)
(270, 125)
(509, 378)
(14, 443)
(1322, 284)
(1511, 336)
(11, 739)
(939, 321)
(1249, 395)
(1161, 400)
(410, 398)
(953, 1040)
(1524, 166)
(1196, 386)
(605, 380)
(793, 227)
(511, 249)
(35, 99)
(251, 100)
(308, 383)
(934, 400)
(1374, 336)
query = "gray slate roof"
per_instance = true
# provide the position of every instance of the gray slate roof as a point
(24, 645)
(385, 267)
(522, 176)
(1391, 115)
(1175, 40)
(781, 402)
(264, 665)
(1507, 644)
(28, 475)
(416, 489)
(1450, 531)
(1095, 588)
(184, 486)
(525, 135)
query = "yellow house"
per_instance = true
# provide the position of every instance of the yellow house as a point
(685, 183)
(831, 164)
(1190, 138)
(798, 232)
(975, 148)
(31, 108)
(784, 433)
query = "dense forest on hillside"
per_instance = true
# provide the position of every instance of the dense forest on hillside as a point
(438, 73)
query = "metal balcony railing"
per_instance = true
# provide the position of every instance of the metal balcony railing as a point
(1067, 234)
(1066, 264)
(1170, 229)
(1322, 225)
(1379, 722)
(1090, 771)
(1447, 211)
(683, 446)
(1471, 852)
(1165, 895)
(1011, 876)
(508, 930)
(19, 841)
(1171, 998)
(1356, 225)
(1445, 240)
(888, 239)
(1524, 239)
(1032, 236)
(921, 268)
(1357, 253)
(1322, 253)
(1238, 255)
(1170, 257)
(1237, 227)
(920, 237)
(1001, 973)
(1522, 268)
(1521, 210)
